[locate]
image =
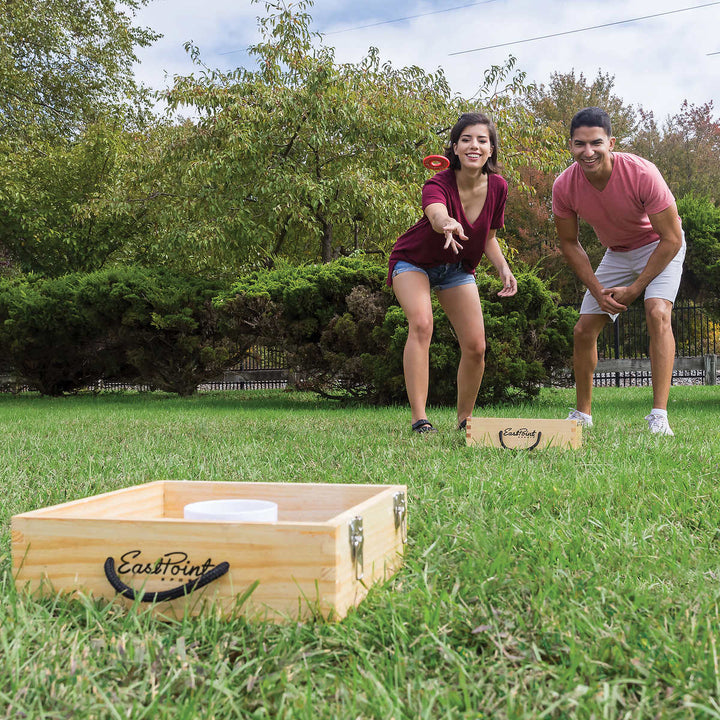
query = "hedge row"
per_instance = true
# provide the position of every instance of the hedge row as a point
(338, 324)
(126, 325)
(343, 333)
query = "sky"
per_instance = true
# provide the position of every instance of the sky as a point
(657, 62)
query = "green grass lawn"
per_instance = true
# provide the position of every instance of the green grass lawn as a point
(549, 584)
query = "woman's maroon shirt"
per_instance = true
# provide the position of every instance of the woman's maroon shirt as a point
(423, 247)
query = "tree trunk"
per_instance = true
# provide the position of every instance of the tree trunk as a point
(280, 241)
(326, 241)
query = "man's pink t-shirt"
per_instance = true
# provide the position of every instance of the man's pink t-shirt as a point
(619, 212)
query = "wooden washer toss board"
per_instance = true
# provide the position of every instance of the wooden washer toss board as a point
(523, 433)
(331, 543)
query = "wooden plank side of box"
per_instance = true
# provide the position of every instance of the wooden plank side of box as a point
(145, 500)
(382, 548)
(523, 433)
(295, 567)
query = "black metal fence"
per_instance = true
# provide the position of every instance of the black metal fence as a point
(696, 335)
(261, 368)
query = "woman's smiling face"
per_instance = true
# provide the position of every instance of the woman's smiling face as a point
(473, 147)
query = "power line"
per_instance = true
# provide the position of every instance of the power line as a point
(579, 30)
(409, 17)
(232, 52)
(387, 22)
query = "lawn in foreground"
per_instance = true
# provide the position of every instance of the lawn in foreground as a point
(548, 584)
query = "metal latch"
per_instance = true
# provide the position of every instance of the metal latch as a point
(356, 546)
(400, 511)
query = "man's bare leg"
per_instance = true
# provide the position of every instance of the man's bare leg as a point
(585, 336)
(658, 313)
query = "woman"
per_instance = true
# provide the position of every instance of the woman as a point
(464, 206)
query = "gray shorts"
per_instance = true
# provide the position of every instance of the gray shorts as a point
(620, 269)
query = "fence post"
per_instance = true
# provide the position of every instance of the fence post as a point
(616, 338)
(709, 369)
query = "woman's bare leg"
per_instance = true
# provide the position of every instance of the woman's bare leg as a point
(462, 306)
(412, 289)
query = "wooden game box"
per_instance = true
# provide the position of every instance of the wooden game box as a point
(523, 433)
(330, 544)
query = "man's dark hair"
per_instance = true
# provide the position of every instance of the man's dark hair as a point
(591, 117)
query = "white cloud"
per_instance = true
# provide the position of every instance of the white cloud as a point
(214, 26)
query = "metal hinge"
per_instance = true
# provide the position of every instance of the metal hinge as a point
(400, 511)
(356, 546)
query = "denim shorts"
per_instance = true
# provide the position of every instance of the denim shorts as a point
(441, 277)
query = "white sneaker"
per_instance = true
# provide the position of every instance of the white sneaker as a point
(582, 418)
(658, 425)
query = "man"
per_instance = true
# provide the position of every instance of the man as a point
(630, 207)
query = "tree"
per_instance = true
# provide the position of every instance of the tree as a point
(302, 157)
(67, 99)
(48, 224)
(526, 139)
(686, 149)
(566, 94)
(63, 63)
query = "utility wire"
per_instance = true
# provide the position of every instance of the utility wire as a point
(387, 22)
(592, 27)
(409, 17)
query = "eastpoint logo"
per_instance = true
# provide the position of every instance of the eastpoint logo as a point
(519, 432)
(170, 566)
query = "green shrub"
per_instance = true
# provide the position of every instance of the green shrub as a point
(530, 338)
(303, 315)
(311, 313)
(344, 333)
(48, 338)
(44, 338)
(338, 325)
(130, 324)
(701, 278)
(174, 337)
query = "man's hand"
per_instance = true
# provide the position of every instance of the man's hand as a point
(616, 299)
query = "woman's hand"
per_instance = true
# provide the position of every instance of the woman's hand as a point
(495, 256)
(451, 228)
(509, 284)
(445, 225)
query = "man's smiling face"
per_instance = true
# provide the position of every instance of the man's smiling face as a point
(592, 150)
